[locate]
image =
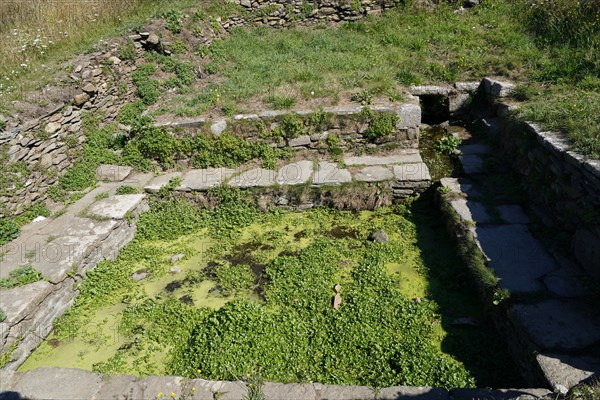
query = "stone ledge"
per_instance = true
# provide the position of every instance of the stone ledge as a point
(57, 383)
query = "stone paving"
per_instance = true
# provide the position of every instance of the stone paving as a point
(549, 303)
(62, 249)
(57, 384)
(403, 166)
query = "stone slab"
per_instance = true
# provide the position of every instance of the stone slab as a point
(120, 387)
(477, 148)
(160, 181)
(9, 379)
(375, 173)
(59, 384)
(404, 158)
(151, 386)
(281, 391)
(411, 172)
(501, 394)
(412, 393)
(341, 392)
(231, 391)
(409, 115)
(296, 173)
(20, 301)
(329, 173)
(469, 210)
(257, 177)
(516, 257)
(303, 140)
(204, 179)
(513, 214)
(461, 185)
(117, 207)
(556, 325)
(112, 173)
(82, 237)
(562, 371)
(566, 281)
(472, 163)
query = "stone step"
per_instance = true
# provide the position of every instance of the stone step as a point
(402, 157)
(413, 174)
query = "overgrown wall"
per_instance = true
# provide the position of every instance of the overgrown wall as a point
(44, 148)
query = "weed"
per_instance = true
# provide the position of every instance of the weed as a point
(126, 189)
(364, 97)
(127, 52)
(447, 144)
(382, 125)
(281, 102)
(130, 111)
(20, 277)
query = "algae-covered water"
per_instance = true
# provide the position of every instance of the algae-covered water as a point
(273, 261)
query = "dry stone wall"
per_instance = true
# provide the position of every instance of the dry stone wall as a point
(285, 12)
(46, 146)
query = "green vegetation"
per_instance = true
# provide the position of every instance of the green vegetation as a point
(589, 391)
(448, 144)
(20, 276)
(381, 125)
(130, 111)
(126, 189)
(2, 315)
(10, 227)
(255, 295)
(147, 88)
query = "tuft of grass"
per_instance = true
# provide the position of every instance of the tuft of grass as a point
(20, 277)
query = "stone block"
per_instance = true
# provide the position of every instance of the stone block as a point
(117, 207)
(329, 173)
(296, 173)
(204, 179)
(375, 173)
(405, 157)
(558, 325)
(411, 172)
(586, 247)
(563, 371)
(112, 173)
(257, 177)
(59, 383)
(412, 393)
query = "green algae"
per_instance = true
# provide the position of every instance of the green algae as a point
(110, 342)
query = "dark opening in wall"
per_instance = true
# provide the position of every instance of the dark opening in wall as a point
(434, 108)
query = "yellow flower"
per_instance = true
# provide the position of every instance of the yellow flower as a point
(193, 389)
(172, 394)
(159, 394)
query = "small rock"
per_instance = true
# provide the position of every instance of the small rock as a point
(78, 69)
(176, 257)
(337, 301)
(175, 270)
(337, 288)
(379, 236)
(417, 299)
(97, 72)
(90, 88)
(52, 127)
(39, 218)
(138, 276)
(114, 60)
(80, 99)
(153, 39)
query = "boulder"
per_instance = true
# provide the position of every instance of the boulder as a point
(379, 236)
(80, 99)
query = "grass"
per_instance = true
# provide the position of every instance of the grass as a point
(375, 58)
(38, 35)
